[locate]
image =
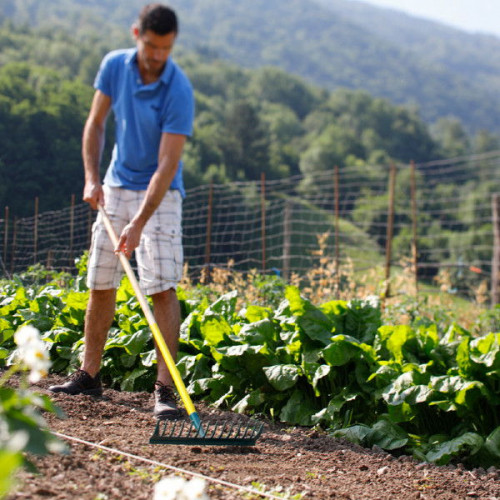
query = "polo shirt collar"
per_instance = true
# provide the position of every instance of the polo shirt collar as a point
(167, 70)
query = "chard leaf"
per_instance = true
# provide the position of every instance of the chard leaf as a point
(466, 444)
(388, 435)
(214, 329)
(133, 343)
(298, 410)
(255, 313)
(224, 306)
(311, 320)
(400, 335)
(341, 350)
(486, 350)
(128, 382)
(253, 400)
(259, 332)
(355, 434)
(463, 357)
(492, 444)
(282, 377)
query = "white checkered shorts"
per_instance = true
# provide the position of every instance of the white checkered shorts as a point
(159, 255)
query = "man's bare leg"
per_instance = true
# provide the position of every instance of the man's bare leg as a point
(167, 314)
(98, 319)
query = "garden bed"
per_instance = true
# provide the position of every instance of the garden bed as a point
(287, 462)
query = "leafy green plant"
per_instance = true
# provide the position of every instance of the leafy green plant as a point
(408, 388)
(22, 427)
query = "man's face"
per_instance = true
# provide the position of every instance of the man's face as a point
(153, 50)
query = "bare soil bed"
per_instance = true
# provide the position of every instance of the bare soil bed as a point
(285, 462)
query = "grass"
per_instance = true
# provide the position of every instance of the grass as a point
(406, 302)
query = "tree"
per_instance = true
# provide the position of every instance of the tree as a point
(245, 142)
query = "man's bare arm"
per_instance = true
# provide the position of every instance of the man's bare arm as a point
(92, 148)
(171, 147)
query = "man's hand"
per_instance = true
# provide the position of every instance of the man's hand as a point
(129, 239)
(93, 194)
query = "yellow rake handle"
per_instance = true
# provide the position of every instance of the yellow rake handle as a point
(162, 346)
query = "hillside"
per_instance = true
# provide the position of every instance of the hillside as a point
(331, 43)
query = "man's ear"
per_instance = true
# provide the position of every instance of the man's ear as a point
(135, 31)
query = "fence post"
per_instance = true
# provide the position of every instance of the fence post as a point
(337, 231)
(35, 233)
(414, 214)
(208, 239)
(495, 264)
(71, 229)
(263, 218)
(287, 239)
(13, 249)
(390, 230)
(5, 235)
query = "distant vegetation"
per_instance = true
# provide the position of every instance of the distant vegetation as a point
(248, 121)
(332, 44)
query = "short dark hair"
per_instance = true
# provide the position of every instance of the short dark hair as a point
(157, 18)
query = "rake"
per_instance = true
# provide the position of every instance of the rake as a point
(182, 431)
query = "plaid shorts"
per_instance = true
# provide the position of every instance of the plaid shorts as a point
(159, 255)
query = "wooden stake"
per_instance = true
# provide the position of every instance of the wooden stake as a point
(337, 231)
(35, 233)
(208, 239)
(5, 235)
(71, 229)
(414, 214)
(13, 248)
(263, 218)
(287, 239)
(495, 264)
(390, 230)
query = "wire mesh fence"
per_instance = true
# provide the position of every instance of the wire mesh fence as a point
(438, 216)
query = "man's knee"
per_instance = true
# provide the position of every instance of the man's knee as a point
(165, 297)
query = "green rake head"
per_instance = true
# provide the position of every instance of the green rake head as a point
(227, 434)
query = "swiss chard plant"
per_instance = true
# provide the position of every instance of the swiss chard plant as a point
(424, 388)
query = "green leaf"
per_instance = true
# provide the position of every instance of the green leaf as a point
(250, 401)
(388, 436)
(341, 350)
(464, 445)
(400, 335)
(255, 313)
(128, 383)
(463, 357)
(355, 434)
(492, 444)
(282, 377)
(486, 351)
(298, 410)
(214, 329)
(259, 332)
(132, 343)
(9, 463)
(311, 320)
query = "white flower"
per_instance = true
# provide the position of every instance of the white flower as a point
(32, 352)
(195, 489)
(369, 300)
(26, 335)
(372, 300)
(176, 488)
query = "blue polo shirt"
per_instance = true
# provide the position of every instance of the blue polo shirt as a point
(142, 113)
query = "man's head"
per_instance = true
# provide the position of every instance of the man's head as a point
(155, 32)
(157, 18)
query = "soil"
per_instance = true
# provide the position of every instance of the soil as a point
(285, 462)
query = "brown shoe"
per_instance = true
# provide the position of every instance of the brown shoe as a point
(80, 382)
(165, 403)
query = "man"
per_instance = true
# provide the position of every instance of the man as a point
(153, 105)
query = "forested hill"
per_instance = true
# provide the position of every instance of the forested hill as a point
(331, 43)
